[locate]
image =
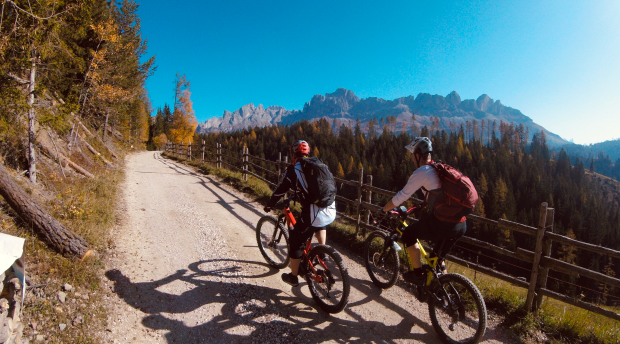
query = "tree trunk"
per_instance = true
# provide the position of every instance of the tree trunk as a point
(47, 228)
(84, 127)
(95, 152)
(105, 126)
(32, 168)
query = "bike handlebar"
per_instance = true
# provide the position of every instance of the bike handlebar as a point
(283, 204)
(400, 211)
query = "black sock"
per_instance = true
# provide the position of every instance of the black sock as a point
(418, 271)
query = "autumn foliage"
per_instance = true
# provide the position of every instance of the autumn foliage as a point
(184, 121)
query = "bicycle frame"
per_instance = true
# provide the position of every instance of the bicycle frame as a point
(290, 221)
(430, 261)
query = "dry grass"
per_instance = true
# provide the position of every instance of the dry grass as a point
(559, 322)
(87, 207)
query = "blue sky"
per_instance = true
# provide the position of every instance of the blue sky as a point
(556, 61)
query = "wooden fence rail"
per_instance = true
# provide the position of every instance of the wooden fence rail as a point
(540, 260)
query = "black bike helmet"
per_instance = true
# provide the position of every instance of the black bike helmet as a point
(420, 145)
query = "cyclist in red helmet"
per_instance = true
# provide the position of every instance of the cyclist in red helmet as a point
(313, 218)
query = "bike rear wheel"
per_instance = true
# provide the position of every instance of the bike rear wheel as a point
(457, 310)
(382, 261)
(272, 239)
(330, 285)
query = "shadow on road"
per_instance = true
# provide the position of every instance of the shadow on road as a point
(243, 312)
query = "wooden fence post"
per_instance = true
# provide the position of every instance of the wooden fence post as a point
(189, 150)
(245, 165)
(286, 164)
(368, 200)
(359, 201)
(217, 155)
(203, 150)
(546, 252)
(540, 235)
(279, 166)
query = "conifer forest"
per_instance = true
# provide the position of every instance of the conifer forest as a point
(68, 62)
(512, 175)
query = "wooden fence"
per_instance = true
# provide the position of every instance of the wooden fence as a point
(541, 262)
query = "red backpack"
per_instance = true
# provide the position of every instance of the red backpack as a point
(457, 196)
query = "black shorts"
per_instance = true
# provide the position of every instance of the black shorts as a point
(430, 228)
(301, 233)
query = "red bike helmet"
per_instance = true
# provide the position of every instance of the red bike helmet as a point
(300, 147)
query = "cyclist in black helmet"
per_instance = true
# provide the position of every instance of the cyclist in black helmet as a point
(429, 227)
(313, 218)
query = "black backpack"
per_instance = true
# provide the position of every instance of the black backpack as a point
(321, 184)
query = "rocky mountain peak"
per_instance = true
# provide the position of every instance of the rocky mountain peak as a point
(344, 106)
(484, 102)
(453, 98)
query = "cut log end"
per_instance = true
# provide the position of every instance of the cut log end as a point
(88, 253)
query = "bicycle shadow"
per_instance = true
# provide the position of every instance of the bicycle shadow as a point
(247, 312)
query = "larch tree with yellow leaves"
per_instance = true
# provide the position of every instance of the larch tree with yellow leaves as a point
(184, 121)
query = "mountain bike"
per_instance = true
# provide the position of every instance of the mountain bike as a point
(455, 305)
(321, 266)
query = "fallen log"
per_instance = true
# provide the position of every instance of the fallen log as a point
(75, 166)
(84, 127)
(45, 226)
(94, 151)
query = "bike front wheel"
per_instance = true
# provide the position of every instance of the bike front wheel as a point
(272, 239)
(329, 282)
(382, 261)
(457, 310)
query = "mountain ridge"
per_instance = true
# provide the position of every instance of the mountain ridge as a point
(344, 107)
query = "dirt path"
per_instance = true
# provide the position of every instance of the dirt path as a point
(186, 269)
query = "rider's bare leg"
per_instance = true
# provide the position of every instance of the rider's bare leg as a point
(321, 236)
(295, 266)
(414, 253)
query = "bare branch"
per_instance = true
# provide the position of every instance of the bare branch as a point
(18, 79)
(2, 15)
(32, 14)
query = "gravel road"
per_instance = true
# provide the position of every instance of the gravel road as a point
(186, 269)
